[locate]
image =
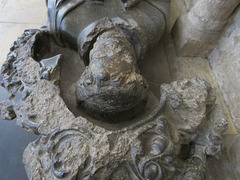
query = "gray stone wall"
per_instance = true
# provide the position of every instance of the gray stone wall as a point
(225, 63)
(197, 32)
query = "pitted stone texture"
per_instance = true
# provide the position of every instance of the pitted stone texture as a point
(187, 67)
(100, 156)
(111, 85)
(104, 153)
(225, 62)
(7, 111)
(74, 147)
(21, 78)
(188, 95)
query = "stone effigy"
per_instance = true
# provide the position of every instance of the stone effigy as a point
(100, 121)
(110, 43)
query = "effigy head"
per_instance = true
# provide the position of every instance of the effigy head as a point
(111, 83)
(111, 36)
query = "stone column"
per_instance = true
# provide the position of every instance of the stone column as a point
(196, 33)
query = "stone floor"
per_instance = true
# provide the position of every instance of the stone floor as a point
(15, 17)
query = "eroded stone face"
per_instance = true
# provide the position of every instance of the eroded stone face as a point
(111, 85)
(111, 36)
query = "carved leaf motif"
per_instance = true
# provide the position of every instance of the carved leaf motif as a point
(152, 161)
(70, 153)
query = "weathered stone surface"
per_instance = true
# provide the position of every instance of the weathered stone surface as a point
(197, 32)
(192, 42)
(219, 119)
(110, 43)
(225, 63)
(188, 95)
(111, 85)
(7, 111)
(150, 145)
(177, 9)
(49, 69)
(227, 162)
(187, 67)
(144, 148)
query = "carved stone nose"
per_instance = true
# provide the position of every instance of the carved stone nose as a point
(89, 79)
(101, 76)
